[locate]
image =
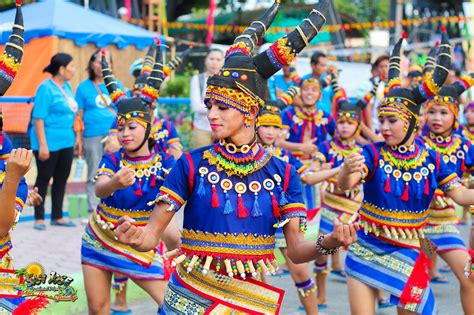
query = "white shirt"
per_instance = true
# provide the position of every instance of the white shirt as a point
(197, 103)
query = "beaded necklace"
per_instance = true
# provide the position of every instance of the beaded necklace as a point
(341, 148)
(233, 160)
(469, 134)
(399, 162)
(147, 170)
(301, 116)
(450, 148)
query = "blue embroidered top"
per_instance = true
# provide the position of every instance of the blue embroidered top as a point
(398, 189)
(150, 172)
(5, 146)
(132, 201)
(319, 124)
(232, 209)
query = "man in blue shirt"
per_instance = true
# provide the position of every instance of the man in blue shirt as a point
(319, 66)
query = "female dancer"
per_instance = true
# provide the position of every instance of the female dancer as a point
(337, 203)
(400, 180)
(236, 192)
(126, 181)
(442, 122)
(269, 124)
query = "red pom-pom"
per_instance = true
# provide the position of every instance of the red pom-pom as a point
(103, 52)
(157, 41)
(404, 35)
(18, 3)
(443, 29)
(437, 43)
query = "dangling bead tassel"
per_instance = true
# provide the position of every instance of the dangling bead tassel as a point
(463, 165)
(275, 206)
(153, 180)
(215, 200)
(145, 186)
(138, 188)
(387, 185)
(398, 192)
(201, 192)
(242, 212)
(405, 193)
(228, 206)
(256, 211)
(283, 200)
(426, 191)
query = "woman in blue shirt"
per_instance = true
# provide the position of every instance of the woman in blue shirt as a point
(52, 139)
(97, 112)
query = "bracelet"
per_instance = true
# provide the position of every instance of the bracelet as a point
(322, 250)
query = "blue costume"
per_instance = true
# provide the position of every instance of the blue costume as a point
(235, 197)
(392, 252)
(99, 246)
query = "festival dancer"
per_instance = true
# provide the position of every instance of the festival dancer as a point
(126, 181)
(235, 191)
(336, 203)
(442, 121)
(269, 126)
(14, 164)
(400, 178)
(163, 131)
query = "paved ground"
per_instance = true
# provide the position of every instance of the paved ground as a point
(58, 249)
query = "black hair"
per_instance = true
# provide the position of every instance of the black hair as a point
(316, 56)
(214, 50)
(379, 60)
(57, 61)
(92, 59)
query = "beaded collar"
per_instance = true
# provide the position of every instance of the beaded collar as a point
(315, 116)
(239, 161)
(343, 148)
(469, 134)
(403, 157)
(445, 145)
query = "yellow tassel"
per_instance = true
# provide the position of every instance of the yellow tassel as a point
(375, 229)
(275, 264)
(386, 231)
(402, 234)
(408, 234)
(421, 234)
(192, 263)
(178, 260)
(366, 228)
(207, 264)
(252, 268)
(270, 267)
(240, 268)
(228, 268)
(263, 267)
(415, 234)
(394, 232)
(172, 253)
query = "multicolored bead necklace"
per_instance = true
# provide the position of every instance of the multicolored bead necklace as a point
(238, 161)
(147, 170)
(469, 133)
(340, 149)
(399, 162)
(449, 147)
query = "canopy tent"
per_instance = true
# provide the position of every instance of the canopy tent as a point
(53, 26)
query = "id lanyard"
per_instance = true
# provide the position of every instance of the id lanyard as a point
(71, 102)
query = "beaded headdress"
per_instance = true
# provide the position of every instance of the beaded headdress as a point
(241, 83)
(270, 112)
(173, 64)
(406, 102)
(11, 58)
(347, 111)
(449, 95)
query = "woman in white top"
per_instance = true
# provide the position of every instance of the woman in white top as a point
(201, 135)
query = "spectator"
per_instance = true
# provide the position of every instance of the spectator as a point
(98, 113)
(201, 135)
(380, 70)
(52, 136)
(319, 67)
(279, 84)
